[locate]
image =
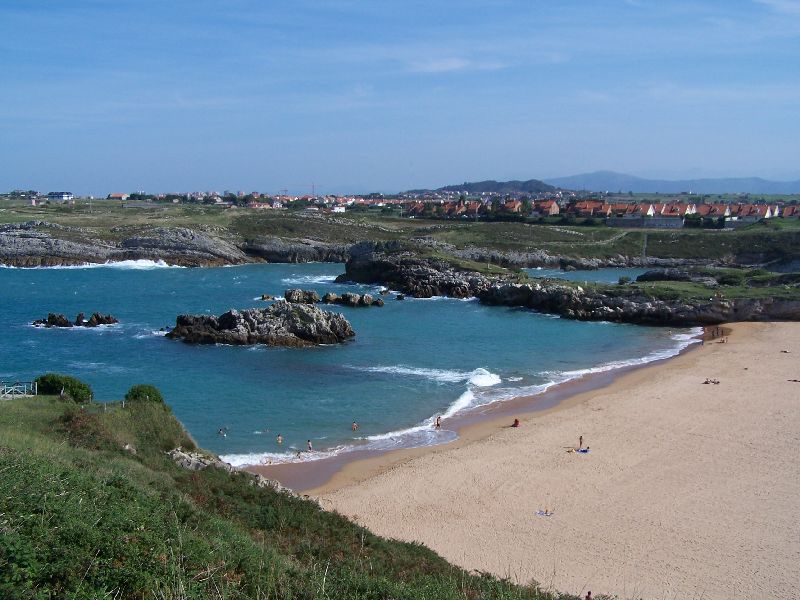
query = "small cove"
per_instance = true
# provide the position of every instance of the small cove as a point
(410, 361)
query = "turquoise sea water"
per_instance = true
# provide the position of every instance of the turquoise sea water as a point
(410, 360)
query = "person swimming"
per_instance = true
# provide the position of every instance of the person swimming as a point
(279, 439)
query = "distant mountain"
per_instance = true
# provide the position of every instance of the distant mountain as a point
(609, 181)
(532, 186)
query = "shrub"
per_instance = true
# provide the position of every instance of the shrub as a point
(148, 393)
(54, 383)
(624, 279)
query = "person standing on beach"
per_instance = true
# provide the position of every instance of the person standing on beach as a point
(580, 442)
(438, 422)
(310, 447)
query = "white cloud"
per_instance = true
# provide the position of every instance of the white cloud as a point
(448, 64)
(783, 6)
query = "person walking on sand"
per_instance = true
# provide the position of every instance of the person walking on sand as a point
(310, 447)
(580, 442)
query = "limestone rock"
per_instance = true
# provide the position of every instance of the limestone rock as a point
(282, 324)
(301, 296)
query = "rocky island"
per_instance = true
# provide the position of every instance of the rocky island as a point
(284, 323)
(59, 320)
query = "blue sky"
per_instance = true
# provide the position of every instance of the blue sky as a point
(119, 95)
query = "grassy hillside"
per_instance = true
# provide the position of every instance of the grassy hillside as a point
(82, 517)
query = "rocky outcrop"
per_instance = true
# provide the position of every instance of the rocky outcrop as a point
(181, 246)
(197, 461)
(59, 320)
(352, 299)
(282, 324)
(301, 296)
(518, 259)
(415, 276)
(42, 244)
(274, 249)
(677, 275)
(635, 307)
(426, 277)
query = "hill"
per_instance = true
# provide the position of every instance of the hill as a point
(609, 181)
(93, 507)
(490, 186)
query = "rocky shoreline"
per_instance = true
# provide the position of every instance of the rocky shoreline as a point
(44, 244)
(424, 278)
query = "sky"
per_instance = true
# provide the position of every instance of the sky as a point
(101, 96)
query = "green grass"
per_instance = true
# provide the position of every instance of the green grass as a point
(82, 518)
(732, 284)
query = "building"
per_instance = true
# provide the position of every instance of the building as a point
(60, 196)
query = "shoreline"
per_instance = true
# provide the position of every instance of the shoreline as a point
(690, 490)
(324, 475)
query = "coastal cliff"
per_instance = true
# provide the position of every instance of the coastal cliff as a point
(43, 244)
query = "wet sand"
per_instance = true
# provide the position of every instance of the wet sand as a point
(689, 489)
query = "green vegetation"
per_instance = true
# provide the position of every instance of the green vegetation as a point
(64, 385)
(731, 284)
(90, 507)
(144, 392)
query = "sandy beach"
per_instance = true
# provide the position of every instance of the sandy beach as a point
(689, 490)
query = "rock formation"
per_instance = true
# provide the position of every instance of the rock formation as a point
(59, 320)
(301, 296)
(428, 277)
(415, 276)
(282, 324)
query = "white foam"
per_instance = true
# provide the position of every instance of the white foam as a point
(135, 265)
(479, 377)
(477, 395)
(308, 279)
(149, 334)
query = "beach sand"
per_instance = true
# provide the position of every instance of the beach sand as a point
(689, 490)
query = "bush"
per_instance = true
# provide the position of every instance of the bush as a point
(54, 383)
(624, 279)
(148, 393)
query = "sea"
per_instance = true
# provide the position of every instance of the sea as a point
(410, 361)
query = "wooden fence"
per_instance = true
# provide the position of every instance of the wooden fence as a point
(10, 389)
